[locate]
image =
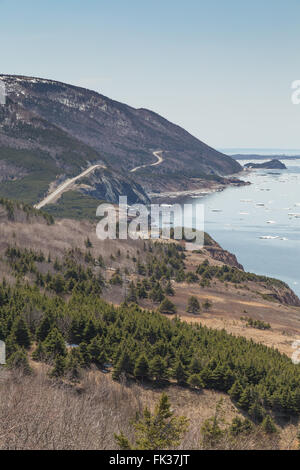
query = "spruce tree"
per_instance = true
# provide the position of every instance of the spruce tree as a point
(132, 297)
(196, 381)
(245, 398)
(156, 294)
(39, 354)
(157, 431)
(256, 412)
(195, 366)
(158, 368)
(96, 351)
(240, 426)
(85, 355)
(268, 425)
(90, 331)
(59, 367)
(236, 391)
(19, 360)
(20, 332)
(207, 305)
(124, 365)
(44, 327)
(167, 306)
(193, 305)
(73, 364)
(55, 344)
(179, 373)
(141, 369)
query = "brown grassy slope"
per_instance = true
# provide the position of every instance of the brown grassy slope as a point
(37, 414)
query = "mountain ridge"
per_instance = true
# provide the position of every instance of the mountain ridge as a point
(79, 127)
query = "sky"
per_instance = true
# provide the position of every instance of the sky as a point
(221, 69)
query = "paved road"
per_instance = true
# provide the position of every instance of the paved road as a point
(62, 187)
(160, 159)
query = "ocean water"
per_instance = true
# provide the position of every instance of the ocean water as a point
(260, 223)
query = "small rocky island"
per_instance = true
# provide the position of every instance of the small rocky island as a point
(270, 165)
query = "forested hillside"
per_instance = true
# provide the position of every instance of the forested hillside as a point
(74, 306)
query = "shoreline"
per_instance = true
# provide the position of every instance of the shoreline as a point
(177, 196)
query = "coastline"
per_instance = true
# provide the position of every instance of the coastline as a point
(177, 196)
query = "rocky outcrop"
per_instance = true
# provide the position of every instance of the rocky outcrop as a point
(271, 165)
(283, 295)
(108, 186)
(217, 253)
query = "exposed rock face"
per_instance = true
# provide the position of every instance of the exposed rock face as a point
(217, 253)
(125, 137)
(271, 165)
(284, 296)
(276, 291)
(108, 186)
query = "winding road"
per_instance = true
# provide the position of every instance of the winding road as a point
(157, 154)
(63, 186)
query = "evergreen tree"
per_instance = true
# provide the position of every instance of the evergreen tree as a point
(240, 426)
(21, 333)
(58, 284)
(256, 412)
(158, 368)
(141, 291)
(96, 351)
(19, 360)
(193, 305)
(245, 398)
(195, 365)
(179, 373)
(55, 344)
(76, 332)
(141, 369)
(157, 431)
(124, 365)
(167, 306)
(207, 305)
(90, 331)
(156, 294)
(236, 391)
(196, 381)
(40, 353)
(211, 430)
(73, 364)
(85, 355)
(268, 425)
(59, 367)
(132, 297)
(44, 327)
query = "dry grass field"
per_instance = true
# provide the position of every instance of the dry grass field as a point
(36, 413)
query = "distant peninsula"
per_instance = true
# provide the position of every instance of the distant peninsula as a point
(270, 165)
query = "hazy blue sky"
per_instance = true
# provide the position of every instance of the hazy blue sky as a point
(221, 69)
